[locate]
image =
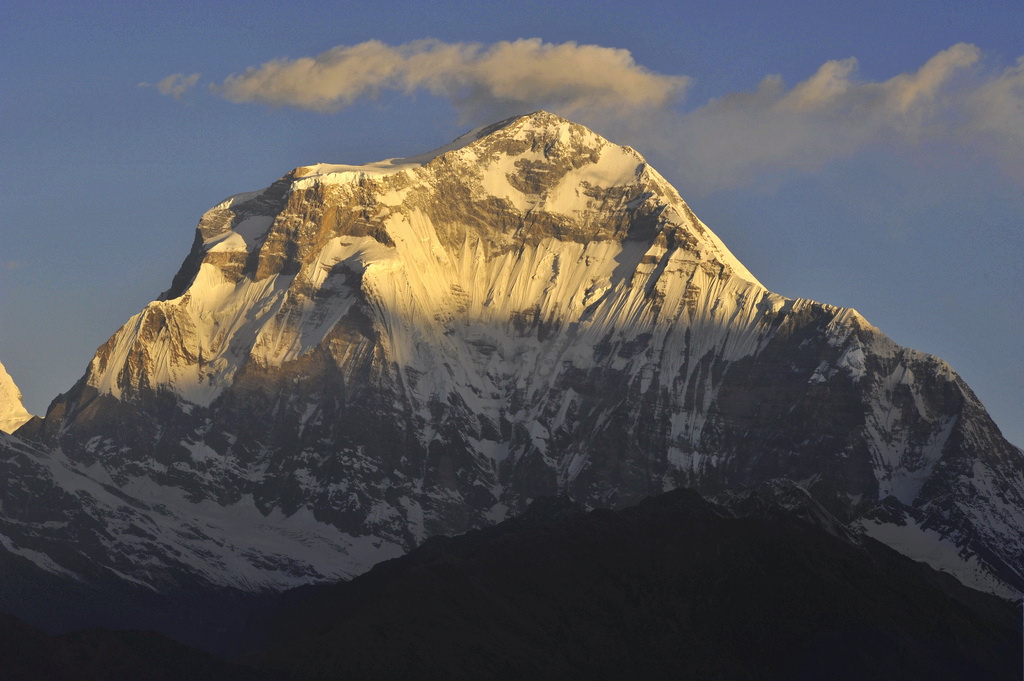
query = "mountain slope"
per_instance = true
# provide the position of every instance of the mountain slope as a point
(421, 346)
(76, 523)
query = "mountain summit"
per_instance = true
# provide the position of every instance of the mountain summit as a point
(12, 412)
(357, 358)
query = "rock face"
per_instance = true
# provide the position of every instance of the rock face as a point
(422, 346)
(12, 412)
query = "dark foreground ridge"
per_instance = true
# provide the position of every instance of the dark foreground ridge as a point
(675, 587)
(29, 654)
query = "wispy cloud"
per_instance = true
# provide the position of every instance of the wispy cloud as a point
(175, 85)
(737, 139)
(995, 114)
(476, 78)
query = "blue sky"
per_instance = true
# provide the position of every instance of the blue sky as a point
(864, 154)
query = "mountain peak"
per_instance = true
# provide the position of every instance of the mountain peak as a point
(538, 122)
(517, 181)
(538, 131)
(12, 412)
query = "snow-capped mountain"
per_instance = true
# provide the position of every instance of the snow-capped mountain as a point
(12, 412)
(382, 353)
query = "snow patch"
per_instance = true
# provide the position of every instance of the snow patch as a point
(930, 547)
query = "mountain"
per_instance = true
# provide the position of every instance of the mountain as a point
(12, 412)
(358, 358)
(674, 588)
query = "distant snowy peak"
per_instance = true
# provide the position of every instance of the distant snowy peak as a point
(12, 412)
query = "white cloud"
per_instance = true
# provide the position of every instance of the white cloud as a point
(175, 85)
(476, 78)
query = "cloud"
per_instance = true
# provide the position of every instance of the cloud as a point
(521, 74)
(175, 85)
(995, 114)
(951, 102)
(829, 115)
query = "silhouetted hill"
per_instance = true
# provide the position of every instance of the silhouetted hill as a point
(673, 588)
